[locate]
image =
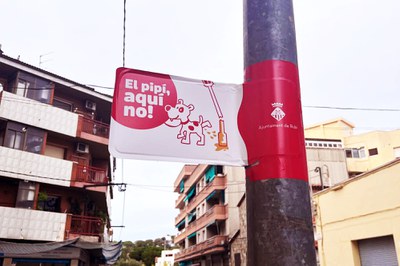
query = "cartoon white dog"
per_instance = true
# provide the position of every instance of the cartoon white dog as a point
(179, 116)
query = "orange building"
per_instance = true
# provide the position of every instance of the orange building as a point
(208, 216)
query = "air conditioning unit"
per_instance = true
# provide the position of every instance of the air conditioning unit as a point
(82, 148)
(90, 105)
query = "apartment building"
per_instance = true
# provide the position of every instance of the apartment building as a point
(54, 166)
(364, 151)
(208, 216)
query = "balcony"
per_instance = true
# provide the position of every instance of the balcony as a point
(186, 172)
(90, 174)
(216, 213)
(27, 224)
(219, 183)
(27, 111)
(212, 245)
(179, 203)
(89, 226)
(85, 174)
(34, 167)
(93, 130)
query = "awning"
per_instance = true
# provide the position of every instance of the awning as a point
(191, 215)
(210, 174)
(180, 223)
(108, 252)
(191, 193)
(210, 195)
(52, 261)
(192, 235)
(211, 223)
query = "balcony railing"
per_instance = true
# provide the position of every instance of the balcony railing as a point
(214, 244)
(219, 183)
(84, 225)
(95, 127)
(90, 174)
(216, 213)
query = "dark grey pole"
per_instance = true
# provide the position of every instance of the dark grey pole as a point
(279, 220)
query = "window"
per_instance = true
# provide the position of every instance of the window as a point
(26, 195)
(33, 87)
(377, 251)
(373, 151)
(220, 170)
(323, 143)
(62, 104)
(361, 152)
(33, 143)
(355, 153)
(24, 138)
(14, 139)
(55, 151)
(237, 259)
(50, 203)
(396, 152)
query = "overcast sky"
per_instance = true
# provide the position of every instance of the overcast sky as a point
(348, 53)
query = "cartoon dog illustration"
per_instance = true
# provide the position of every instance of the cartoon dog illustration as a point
(179, 116)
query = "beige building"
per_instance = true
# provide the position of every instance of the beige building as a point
(357, 221)
(335, 129)
(367, 151)
(364, 151)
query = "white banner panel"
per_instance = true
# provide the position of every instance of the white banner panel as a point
(169, 118)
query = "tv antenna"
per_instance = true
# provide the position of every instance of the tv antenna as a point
(41, 61)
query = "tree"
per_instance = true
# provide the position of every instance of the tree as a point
(136, 253)
(149, 255)
(141, 252)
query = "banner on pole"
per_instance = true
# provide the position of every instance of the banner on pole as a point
(169, 118)
(162, 117)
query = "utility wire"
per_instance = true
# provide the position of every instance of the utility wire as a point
(304, 106)
(124, 33)
(353, 108)
(142, 186)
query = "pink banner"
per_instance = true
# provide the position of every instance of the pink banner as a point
(162, 117)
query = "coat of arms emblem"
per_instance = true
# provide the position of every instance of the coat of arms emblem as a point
(278, 113)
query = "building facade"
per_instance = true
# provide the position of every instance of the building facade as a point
(357, 220)
(369, 150)
(54, 161)
(167, 258)
(364, 151)
(332, 161)
(208, 216)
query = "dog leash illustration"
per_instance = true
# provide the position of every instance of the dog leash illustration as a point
(222, 135)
